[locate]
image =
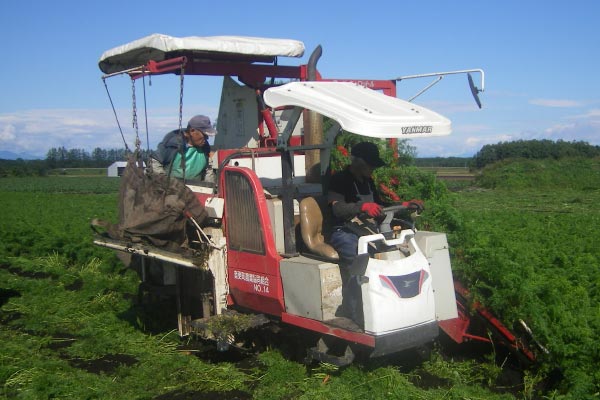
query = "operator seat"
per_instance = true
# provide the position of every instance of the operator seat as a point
(311, 229)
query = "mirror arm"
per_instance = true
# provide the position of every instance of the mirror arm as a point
(426, 88)
(462, 71)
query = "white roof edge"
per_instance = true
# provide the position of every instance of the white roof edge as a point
(361, 110)
(154, 47)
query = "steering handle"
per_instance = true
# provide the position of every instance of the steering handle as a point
(393, 209)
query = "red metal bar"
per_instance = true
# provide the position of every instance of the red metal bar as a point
(253, 75)
(318, 326)
(488, 316)
(476, 337)
(265, 112)
(160, 67)
(169, 65)
(457, 328)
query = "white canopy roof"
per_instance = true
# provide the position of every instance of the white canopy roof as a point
(155, 46)
(360, 110)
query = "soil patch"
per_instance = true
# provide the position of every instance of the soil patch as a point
(75, 286)
(106, 364)
(27, 274)
(425, 380)
(61, 341)
(207, 351)
(7, 317)
(6, 294)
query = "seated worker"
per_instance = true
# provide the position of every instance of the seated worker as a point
(352, 192)
(195, 148)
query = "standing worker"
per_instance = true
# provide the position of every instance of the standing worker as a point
(194, 147)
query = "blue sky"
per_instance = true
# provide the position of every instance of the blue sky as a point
(540, 59)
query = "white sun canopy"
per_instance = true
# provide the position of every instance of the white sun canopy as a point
(360, 110)
(156, 46)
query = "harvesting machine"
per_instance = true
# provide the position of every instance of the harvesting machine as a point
(256, 248)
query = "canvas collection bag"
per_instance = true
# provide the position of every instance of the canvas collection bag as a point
(154, 209)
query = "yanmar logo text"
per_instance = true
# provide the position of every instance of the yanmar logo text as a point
(416, 129)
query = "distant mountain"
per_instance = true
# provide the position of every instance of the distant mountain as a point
(9, 155)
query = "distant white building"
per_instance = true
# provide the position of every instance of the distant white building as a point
(116, 168)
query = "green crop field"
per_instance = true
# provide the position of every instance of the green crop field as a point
(78, 171)
(71, 325)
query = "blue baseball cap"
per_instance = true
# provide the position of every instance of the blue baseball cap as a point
(202, 122)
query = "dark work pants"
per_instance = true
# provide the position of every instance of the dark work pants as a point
(345, 243)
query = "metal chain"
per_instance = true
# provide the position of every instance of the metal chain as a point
(146, 113)
(134, 116)
(181, 75)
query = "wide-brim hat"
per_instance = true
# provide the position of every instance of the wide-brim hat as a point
(369, 152)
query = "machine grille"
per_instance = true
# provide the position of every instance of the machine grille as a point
(243, 226)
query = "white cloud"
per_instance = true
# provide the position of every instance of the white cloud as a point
(7, 133)
(593, 114)
(36, 131)
(584, 130)
(581, 127)
(559, 103)
(479, 141)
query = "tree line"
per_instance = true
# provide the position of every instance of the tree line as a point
(533, 149)
(60, 157)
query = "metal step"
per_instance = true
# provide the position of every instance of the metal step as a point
(321, 353)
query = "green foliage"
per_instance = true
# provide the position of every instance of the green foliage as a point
(60, 157)
(21, 167)
(52, 220)
(528, 250)
(78, 172)
(409, 183)
(525, 251)
(340, 153)
(227, 324)
(61, 160)
(61, 184)
(469, 372)
(397, 181)
(406, 183)
(283, 379)
(288, 380)
(66, 307)
(534, 150)
(576, 173)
